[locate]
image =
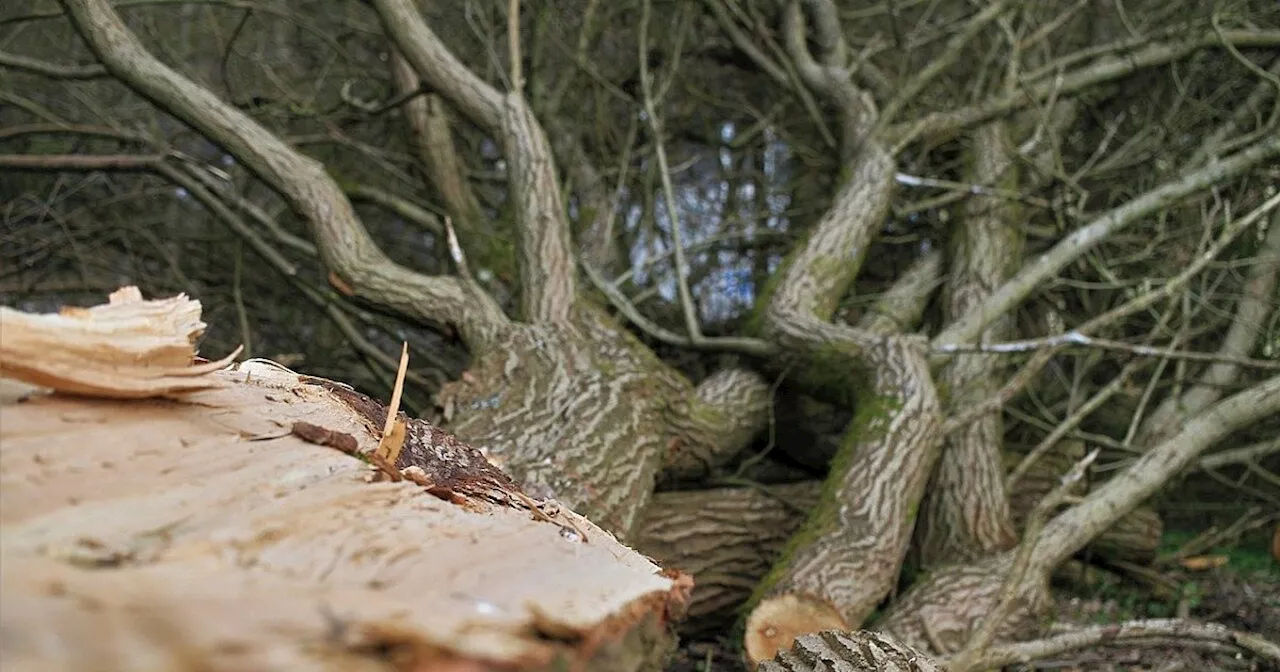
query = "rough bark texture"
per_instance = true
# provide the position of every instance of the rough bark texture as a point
(851, 548)
(727, 538)
(966, 513)
(849, 652)
(1134, 538)
(727, 410)
(586, 414)
(947, 603)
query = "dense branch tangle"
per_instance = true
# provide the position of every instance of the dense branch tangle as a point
(579, 409)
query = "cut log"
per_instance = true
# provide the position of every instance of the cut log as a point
(241, 527)
(860, 651)
(726, 537)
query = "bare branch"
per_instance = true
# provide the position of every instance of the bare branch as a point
(1082, 240)
(1246, 327)
(746, 346)
(398, 204)
(1109, 68)
(345, 245)
(1076, 527)
(1120, 633)
(940, 63)
(898, 310)
(968, 658)
(1032, 368)
(687, 306)
(434, 139)
(1249, 453)
(547, 273)
(55, 70)
(1076, 338)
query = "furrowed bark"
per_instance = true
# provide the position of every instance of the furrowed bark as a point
(345, 246)
(1011, 293)
(847, 556)
(578, 413)
(849, 652)
(724, 413)
(726, 538)
(1247, 327)
(899, 309)
(966, 513)
(545, 254)
(1134, 538)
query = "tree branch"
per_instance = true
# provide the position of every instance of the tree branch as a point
(1121, 633)
(1107, 69)
(547, 272)
(345, 246)
(1084, 239)
(57, 71)
(1232, 355)
(1076, 527)
(940, 63)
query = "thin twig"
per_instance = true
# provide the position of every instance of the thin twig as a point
(972, 653)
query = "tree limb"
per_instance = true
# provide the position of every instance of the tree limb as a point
(345, 245)
(1109, 68)
(547, 271)
(1076, 527)
(1084, 239)
(1242, 336)
(55, 70)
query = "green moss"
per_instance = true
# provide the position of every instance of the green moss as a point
(869, 423)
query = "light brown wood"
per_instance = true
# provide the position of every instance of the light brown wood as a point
(126, 348)
(235, 528)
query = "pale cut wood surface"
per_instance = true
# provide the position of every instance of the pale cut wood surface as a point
(197, 532)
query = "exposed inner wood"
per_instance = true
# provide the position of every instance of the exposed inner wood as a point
(242, 526)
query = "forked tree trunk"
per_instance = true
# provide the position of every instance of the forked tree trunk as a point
(586, 414)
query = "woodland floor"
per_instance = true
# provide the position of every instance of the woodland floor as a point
(1244, 594)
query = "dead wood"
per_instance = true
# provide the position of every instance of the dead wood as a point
(727, 538)
(232, 528)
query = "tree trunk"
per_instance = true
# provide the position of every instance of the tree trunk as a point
(727, 538)
(966, 513)
(240, 525)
